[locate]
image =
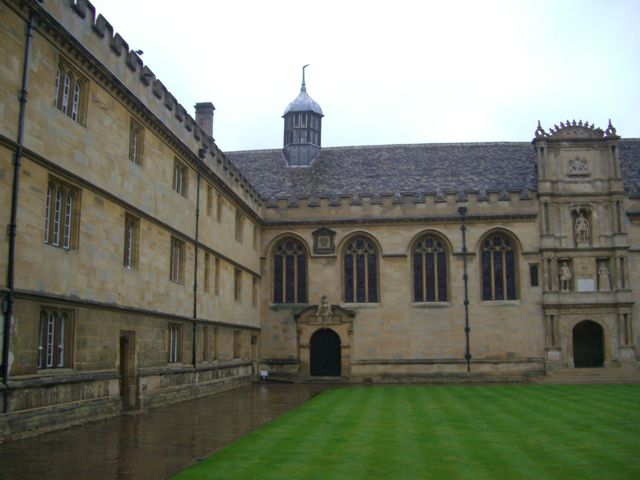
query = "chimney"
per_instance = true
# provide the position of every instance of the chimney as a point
(204, 117)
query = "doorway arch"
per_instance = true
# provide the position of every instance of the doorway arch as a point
(588, 345)
(325, 355)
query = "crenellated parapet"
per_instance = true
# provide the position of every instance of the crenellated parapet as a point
(93, 43)
(406, 206)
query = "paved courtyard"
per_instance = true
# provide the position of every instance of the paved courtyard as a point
(153, 444)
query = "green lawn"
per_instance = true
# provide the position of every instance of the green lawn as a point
(489, 432)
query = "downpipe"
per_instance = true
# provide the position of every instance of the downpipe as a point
(7, 304)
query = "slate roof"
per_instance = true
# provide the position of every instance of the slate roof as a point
(424, 168)
(629, 153)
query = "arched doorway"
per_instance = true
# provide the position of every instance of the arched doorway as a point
(325, 353)
(588, 345)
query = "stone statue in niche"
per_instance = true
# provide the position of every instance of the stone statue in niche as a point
(565, 277)
(578, 167)
(604, 281)
(582, 229)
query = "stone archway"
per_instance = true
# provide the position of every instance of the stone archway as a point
(588, 345)
(324, 354)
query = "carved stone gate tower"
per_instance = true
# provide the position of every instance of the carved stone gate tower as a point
(587, 298)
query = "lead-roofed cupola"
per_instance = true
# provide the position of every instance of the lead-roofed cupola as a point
(302, 128)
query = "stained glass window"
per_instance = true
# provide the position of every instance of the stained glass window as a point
(361, 271)
(498, 268)
(289, 272)
(429, 270)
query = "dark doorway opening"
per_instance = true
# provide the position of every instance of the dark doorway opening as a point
(128, 379)
(325, 354)
(588, 345)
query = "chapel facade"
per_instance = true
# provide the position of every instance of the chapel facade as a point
(143, 265)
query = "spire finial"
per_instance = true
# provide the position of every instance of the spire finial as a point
(304, 86)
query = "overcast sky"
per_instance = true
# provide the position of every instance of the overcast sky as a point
(394, 71)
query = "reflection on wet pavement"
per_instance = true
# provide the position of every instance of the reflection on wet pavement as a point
(153, 444)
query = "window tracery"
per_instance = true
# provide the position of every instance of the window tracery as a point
(290, 272)
(429, 270)
(361, 271)
(498, 268)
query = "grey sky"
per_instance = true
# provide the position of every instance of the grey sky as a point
(394, 71)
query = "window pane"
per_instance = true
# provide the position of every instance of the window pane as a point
(51, 320)
(42, 340)
(348, 278)
(498, 275)
(277, 279)
(302, 279)
(76, 101)
(417, 278)
(65, 93)
(60, 346)
(289, 279)
(533, 273)
(442, 277)
(360, 279)
(56, 218)
(373, 277)
(511, 275)
(431, 277)
(66, 239)
(486, 275)
(55, 99)
(47, 215)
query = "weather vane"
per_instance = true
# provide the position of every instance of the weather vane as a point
(304, 87)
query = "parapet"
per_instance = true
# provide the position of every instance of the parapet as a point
(411, 204)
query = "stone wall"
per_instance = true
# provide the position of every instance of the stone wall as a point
(108, 302)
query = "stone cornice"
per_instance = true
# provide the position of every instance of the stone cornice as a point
(401, 220)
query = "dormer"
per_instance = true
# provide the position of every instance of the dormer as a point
(302, 129)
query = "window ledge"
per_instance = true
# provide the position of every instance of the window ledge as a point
(55, 371)
(431, 304)
(361, 305)
(506, 303)
(61, 249)
(175, 365)
(288, 306)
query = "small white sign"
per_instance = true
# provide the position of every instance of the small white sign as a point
(586, 285)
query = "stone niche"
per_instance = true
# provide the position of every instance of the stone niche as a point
(324, 317)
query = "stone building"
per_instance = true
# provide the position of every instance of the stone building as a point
(143, 265)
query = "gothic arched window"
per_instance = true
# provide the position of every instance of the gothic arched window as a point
(289, 272)
(360, 271)
(429, 270)
(498, 259)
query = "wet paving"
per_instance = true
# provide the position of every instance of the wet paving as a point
(153, 444)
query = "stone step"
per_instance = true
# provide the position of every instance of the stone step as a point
(591, 375)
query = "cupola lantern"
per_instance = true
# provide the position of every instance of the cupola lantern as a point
(302, 129)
